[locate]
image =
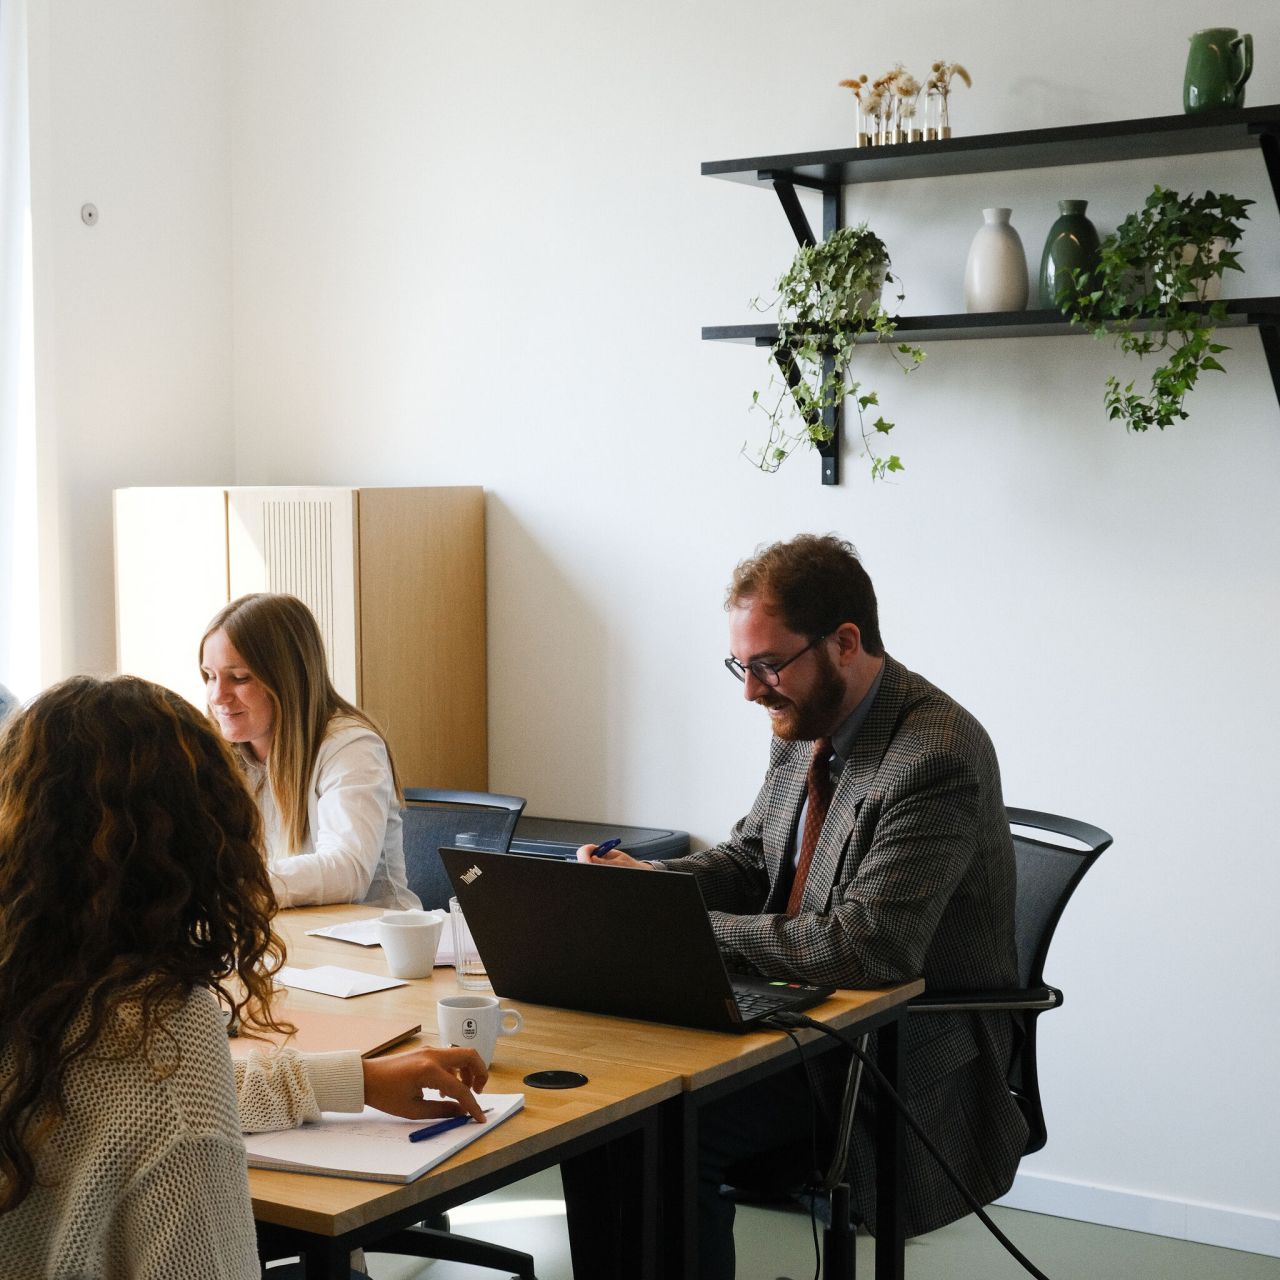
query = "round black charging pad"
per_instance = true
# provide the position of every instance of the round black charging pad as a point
(555, 1079)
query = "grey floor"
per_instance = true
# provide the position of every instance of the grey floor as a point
(774, 1243)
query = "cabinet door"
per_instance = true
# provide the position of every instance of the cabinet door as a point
(171, 578)
(301, 541)
(422, 631)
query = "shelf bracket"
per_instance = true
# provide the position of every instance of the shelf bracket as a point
(785, 189)
(828, 450)
(1269, 145)
(1270, 335)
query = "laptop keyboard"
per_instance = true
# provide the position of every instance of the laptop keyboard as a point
(756, 1004)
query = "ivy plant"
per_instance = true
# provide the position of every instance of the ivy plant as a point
(828, 300)
(1148, 292)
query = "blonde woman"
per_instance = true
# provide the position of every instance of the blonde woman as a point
(134, 898)
(319, 768)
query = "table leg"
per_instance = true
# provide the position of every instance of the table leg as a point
(890, 1158)
(611, 1199)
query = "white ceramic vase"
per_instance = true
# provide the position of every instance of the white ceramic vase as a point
(995, 274)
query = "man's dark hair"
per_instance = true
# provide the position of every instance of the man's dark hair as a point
(816, 582)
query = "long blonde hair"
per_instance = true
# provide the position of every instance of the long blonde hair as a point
(279, 640)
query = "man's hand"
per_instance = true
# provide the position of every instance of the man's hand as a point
(394, 1083)
(614, 858)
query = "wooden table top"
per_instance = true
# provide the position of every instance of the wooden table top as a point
(326, 1205)
(330, 1206)
(698, 1057)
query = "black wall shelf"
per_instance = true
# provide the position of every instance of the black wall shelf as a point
(1241, 313)
(830, 171)
(1182, 135)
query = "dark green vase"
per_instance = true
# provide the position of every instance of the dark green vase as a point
(1072, 243)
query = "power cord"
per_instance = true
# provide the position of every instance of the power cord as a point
(813, 1145)
(788, 1021)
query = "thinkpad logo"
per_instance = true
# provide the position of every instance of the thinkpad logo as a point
(469, 876)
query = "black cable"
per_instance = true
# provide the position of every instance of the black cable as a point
(785, 1021)
(813, 1147)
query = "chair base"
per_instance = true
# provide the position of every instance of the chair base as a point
(426, 1242)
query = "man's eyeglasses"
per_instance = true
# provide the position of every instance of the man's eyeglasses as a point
(767, 672)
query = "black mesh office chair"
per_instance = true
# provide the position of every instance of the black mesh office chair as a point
(1048, 873)
(468, 819)
(480, 820)
(1047, 876)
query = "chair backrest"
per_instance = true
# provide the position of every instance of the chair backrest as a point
(1048, 874)
(432, 818)
(1047, 877)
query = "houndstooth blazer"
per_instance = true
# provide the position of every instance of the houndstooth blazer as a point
(913, 876)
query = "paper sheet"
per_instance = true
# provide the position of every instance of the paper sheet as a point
(364, 933)
(333, 980)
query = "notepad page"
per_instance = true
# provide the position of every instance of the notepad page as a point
(371, 1144)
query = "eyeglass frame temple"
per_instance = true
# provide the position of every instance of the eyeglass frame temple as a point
(739, 669)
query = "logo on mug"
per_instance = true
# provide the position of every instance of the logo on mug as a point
(470, 1029)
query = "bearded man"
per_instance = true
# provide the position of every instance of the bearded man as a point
(878, 851)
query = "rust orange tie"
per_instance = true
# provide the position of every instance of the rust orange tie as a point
(819, 788)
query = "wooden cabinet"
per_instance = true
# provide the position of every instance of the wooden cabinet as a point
(395, 577)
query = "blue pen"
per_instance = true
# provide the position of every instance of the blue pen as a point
(441, 1126)
(599, 850)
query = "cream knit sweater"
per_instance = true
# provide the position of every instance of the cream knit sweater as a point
(145, 1179)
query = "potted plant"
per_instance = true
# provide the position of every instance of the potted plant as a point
(828, 299)
(1150, 290)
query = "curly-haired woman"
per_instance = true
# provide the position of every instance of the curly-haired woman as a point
(134, 898)
(319, 768)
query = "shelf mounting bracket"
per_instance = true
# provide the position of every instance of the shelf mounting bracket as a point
(785, 189)
(828, 450)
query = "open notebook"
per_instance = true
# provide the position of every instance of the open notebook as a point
(371, 1144)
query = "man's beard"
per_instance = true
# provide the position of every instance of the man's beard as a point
(801, 720)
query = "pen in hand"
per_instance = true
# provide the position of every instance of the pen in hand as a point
(442, 1126)
(599, 851)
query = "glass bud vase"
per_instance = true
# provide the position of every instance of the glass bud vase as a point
(1072, 244)
(995, 274)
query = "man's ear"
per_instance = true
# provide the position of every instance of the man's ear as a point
(848, 642)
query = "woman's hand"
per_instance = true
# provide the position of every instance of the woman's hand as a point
(394, 1083)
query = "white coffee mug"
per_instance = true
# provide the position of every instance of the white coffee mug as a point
(409, 940)
(475, 1022)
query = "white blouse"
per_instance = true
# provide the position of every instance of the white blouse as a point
(354, 846)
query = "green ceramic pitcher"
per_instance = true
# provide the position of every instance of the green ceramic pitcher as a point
(1217, 67)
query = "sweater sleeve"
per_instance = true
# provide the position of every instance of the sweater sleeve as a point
(282, 1089)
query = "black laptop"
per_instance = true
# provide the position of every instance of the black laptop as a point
(608, 940)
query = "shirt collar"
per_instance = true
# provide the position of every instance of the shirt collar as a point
(843, 736)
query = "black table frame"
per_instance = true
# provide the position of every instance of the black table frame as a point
(645, 1168)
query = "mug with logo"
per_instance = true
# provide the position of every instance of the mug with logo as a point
(475, 1022)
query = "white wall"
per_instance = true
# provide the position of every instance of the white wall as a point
(473, 246)
(133, 314)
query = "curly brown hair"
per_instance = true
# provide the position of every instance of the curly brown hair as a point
(131, 872)
(816, 582)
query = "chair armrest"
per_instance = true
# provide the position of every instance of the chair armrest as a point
(1008, 999)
